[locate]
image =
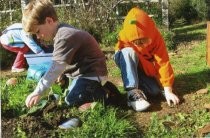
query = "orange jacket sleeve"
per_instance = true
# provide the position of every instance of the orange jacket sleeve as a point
(162, 64)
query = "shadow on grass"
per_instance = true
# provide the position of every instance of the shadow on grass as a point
(190, 28)
(189, 34)
(188, 37)
(190, 83)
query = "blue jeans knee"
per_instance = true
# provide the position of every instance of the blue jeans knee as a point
(149, 84)
(84, 90)
(127, 60)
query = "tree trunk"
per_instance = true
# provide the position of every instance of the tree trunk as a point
(165, 13)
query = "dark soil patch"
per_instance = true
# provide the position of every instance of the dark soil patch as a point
(42, 123)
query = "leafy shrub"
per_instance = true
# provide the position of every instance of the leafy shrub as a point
(95, 17)
(200, 7)
(168, 36)
(189, 10)
(6, 58)
(110, 37)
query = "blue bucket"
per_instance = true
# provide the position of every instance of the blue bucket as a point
(35, 72)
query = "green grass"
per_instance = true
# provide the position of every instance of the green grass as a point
(190, 62)
(191, 74)
(113, 70)
(190, 33)
(102, 122)
(177, 125)
(13, 97)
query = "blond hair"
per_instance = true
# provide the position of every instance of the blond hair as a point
(36, 12)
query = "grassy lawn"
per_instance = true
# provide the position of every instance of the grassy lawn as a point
(191, 75)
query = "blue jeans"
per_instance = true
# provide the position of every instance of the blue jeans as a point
(133, 76)
(84, 90)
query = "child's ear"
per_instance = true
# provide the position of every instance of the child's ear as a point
(48, 20)
(149, 41)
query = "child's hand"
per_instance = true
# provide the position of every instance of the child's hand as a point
(61, 80)
(32, 99)
(170, 96)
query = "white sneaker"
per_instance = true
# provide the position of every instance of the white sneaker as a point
(18, 69)
(137, 100)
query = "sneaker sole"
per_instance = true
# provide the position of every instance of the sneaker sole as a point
(17, 71)
(139, 110)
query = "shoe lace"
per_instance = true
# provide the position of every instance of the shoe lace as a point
(137, 96)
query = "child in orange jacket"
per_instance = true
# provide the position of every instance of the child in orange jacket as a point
(142, 57)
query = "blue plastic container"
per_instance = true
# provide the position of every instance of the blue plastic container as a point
(35, 72)
(36, 59)
(38, 65)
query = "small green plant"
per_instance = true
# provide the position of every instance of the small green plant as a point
(37, 107)
(21, 133)
(57, 92)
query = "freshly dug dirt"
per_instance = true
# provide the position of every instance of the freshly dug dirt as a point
(42, 123)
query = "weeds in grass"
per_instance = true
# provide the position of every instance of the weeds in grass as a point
(21, 133)
(104, 123)
(178, 125)
(13, 97)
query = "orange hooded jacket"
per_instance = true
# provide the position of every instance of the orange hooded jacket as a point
(153, 57)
